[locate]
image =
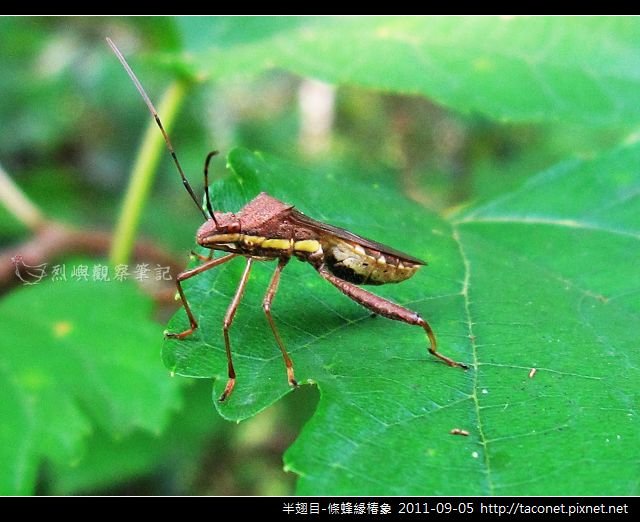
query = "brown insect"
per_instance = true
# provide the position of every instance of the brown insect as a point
(267, 229)
(532, 372)
(458, 431)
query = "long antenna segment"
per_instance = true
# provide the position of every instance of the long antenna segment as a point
(154, 113)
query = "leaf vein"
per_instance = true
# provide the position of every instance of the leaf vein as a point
(474, 396)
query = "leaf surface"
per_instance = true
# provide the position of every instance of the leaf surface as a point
(509, 68)
(75, 354)
(544, 277)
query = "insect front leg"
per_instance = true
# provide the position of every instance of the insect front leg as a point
(187, 274)
(266, 306)
(201, 257)
(387, 309)
(228, 320)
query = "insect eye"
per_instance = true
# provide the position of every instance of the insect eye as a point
(233, 228)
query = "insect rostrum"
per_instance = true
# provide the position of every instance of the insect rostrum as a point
(267, 229)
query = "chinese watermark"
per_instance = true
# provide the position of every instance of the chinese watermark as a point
(337, 508)
(33, 274)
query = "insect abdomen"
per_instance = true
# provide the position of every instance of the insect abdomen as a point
(363, 266)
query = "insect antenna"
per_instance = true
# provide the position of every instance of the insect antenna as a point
(206, 183)
(154, 113)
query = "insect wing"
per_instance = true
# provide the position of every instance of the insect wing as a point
(301, 219)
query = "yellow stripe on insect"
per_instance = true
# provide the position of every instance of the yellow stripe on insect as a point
(222, 238)
(306, 245)
(276, 244)
(251, 241)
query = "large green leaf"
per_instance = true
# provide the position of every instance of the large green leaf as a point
(542, 278)
(75, 354)
(510, 68)
(112, 461)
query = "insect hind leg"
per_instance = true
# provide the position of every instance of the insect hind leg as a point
(381, 306)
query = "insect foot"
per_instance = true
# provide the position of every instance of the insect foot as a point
(181, 335)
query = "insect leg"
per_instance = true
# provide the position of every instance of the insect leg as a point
(187, 274)
(228, 320)
(201, 257)
(266, 306)
(388, 309)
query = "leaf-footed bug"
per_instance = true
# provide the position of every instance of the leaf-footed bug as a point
(267, 229)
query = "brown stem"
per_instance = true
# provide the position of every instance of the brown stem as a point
(53, 241)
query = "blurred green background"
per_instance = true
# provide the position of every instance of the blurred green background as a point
(71, 126)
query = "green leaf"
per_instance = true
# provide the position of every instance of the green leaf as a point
(508, 68)
(543, 278)
(75, 354)
(111, 461)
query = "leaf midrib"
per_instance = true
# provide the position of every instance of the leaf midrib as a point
(474, 351)
(525, 221)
